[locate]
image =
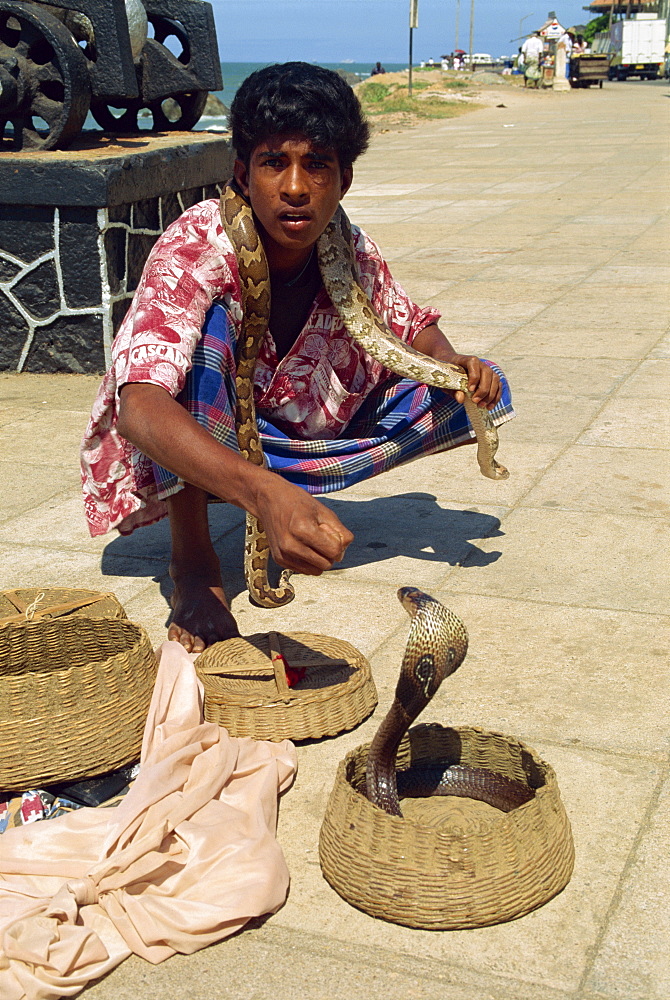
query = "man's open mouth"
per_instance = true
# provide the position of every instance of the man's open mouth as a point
(295, 217)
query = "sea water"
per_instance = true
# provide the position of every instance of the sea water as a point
(233, 75)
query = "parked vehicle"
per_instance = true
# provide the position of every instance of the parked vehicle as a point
(482, 59)
(638, 47)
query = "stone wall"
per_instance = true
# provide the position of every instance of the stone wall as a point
(68, 271)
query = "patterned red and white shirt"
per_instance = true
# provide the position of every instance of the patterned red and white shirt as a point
(312, 393)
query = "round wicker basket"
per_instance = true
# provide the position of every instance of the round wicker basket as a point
(74, 696)
(37, 604)
(488, 867)
(246, 689)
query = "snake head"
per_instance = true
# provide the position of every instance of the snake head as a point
(436, 646)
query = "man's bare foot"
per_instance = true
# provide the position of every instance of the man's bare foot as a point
(200, 612)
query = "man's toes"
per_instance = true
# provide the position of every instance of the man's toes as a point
(180, 635)
(199, 644)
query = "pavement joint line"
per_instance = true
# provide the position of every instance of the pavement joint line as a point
(87, 552)
(402, 627)
(387, 959)
(659, 760)
(514, 598)
(559, 604)
(617, 895)
(518, 503)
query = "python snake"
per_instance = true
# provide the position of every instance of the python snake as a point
(337, 264)
(436, 647)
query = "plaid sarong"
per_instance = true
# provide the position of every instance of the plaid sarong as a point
(399, 421)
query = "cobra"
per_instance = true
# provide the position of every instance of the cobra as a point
(337, 264)
(436, 647)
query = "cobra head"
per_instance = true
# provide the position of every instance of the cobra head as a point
(436, 647)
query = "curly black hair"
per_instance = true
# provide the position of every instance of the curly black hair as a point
(297, 98)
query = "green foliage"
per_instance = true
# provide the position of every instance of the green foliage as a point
(374, 93)
(398, 100)
(600, 23)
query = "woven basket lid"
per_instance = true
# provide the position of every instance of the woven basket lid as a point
(36, 603)
(74, 697)
(246, 689)
(479, 867)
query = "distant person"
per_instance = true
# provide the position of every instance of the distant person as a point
(567, 41)
(531, 53)
(377, 69)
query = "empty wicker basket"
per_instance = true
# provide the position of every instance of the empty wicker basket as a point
(483, 870)
(74, 697)
(36, 604)
(247, 692)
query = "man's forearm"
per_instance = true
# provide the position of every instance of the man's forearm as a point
(432, 342)
(164, 431)
(303, 535)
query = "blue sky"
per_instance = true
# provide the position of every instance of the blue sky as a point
(367, 30)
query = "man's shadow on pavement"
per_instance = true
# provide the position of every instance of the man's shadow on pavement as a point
(412, 525)
(415, 526)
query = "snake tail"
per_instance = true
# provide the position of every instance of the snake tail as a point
(256, 565)
(427, 778)
(337, 263)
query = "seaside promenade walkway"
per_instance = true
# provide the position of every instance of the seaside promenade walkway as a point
(540, 229)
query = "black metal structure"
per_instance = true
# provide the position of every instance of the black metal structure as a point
(57, 62)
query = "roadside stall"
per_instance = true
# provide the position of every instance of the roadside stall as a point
(550, 32)
(588, 68)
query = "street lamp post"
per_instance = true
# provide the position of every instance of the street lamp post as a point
(472, 31)
(413, 23)
(524, 18)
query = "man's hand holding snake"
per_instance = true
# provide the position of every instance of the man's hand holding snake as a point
(304, 536)
(483, 382)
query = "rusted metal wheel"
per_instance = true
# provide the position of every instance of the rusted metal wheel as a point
(45, 89)
(154, 108)
(179, 112)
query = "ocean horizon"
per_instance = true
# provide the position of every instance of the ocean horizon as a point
(234, 73)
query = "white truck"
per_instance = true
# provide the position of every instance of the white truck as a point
(638, 48)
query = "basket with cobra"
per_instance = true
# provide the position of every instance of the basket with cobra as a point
(35, 604)
(443, 861)
(74, 697)
(247, 689)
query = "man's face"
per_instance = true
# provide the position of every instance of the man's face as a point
(294, 189)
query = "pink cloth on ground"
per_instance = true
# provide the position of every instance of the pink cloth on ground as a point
(187, 858)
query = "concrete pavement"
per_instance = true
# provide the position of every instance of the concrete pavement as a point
(540, 229)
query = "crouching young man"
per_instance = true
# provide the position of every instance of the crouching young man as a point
(161, 439)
